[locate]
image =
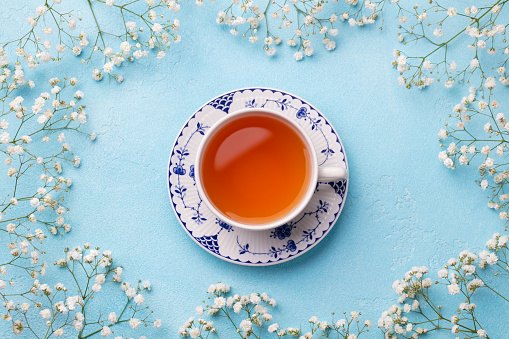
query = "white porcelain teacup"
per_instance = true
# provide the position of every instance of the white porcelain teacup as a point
(318, 174)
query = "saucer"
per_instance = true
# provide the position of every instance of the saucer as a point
(256, 248)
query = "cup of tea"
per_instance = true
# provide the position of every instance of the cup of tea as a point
(257, 169)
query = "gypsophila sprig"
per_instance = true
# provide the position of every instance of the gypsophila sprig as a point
(65, 309)
(28, 215)
(146, 25)
(440, 31)
(301, 23)
(479, 136)
(249, 316)
(46, 120)
(417, 313)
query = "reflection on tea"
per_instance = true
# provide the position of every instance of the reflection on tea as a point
(256, 169)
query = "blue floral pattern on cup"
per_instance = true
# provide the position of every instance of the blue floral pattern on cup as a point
(255, 247)
(283, 231)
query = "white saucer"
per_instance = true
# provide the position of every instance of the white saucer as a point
(256, 248)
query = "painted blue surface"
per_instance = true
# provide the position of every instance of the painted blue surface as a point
(404, 208)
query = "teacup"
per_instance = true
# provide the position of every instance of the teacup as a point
(250, 136)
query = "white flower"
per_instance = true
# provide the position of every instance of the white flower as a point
(474, 63)
(484, 184)
(492, 259)
(134, 323)
(4, 124)
(157, 323)
(41, 10)
(161, 54)
(131, 25)
(108, 67)
(31, 21)
(157, 28)
(273, 328)
(489, 162)
(146, 285)
(76, 161)
(452, 148)
(219, 302)
(139, 299)
(427, 65)
(109, 3)
(76, 50)
(45, 314)
(125, 47)
(330, 45)
(96, 74)
(490, 82)
(4, 138)
(502, 241)
(487, 128)
(47, 30)
(106, 331)
(449, 83)
(246, 325)
(438, 33)
(211, 289)
(469, 269)
(34, 202)
(340, 323)
(112, 317)
(453, 289)
(72, 24)
(323, 325)
(298, 56)
(255, 299)
(452, 12)
(130, 292)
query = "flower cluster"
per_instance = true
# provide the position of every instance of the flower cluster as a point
(420, 314)
(54, 32)
(441, 30)
(253, 309)
(35, 140)
(27, 214)
(62, 310)
(479, 136)
(303, 21)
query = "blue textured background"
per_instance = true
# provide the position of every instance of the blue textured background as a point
(404, 208)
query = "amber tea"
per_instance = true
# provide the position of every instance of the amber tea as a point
(256, 169)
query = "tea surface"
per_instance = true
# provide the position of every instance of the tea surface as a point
(256, 169)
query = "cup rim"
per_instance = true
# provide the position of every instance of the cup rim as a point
(305, 199)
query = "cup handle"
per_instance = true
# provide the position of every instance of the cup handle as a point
(326, 174)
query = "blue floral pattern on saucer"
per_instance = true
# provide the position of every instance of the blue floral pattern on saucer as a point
(256, 248)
